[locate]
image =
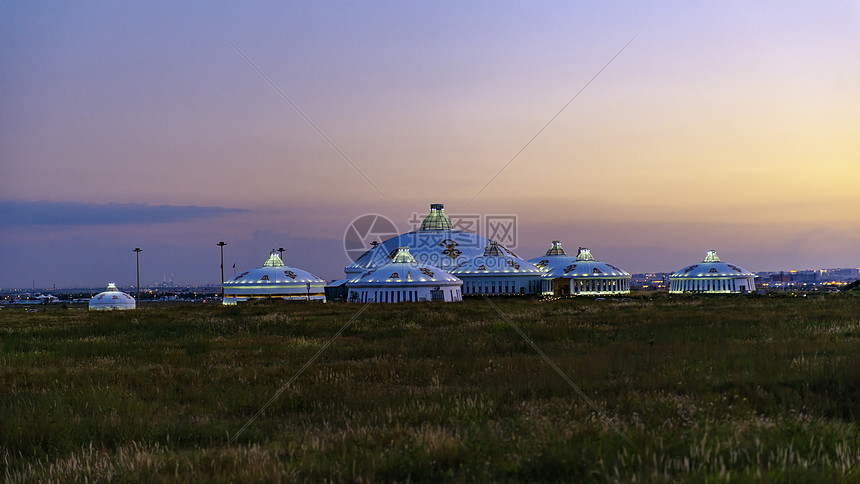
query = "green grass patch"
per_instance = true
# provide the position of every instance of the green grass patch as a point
(707, 388)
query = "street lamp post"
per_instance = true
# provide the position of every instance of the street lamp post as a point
(137, 251)
(281, 250)
(222, 244)
(309, 291)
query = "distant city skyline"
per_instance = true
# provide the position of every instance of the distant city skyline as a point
(727, 126)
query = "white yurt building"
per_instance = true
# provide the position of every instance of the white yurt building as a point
(274, 280)
(435, 243)
(584, 275)
(404, 280)
(712, 276)
(497, 272)
(111, 299)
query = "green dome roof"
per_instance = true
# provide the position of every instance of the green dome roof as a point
(437, 220)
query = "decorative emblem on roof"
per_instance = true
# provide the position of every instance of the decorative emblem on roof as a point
(513, 264)
(612, 266)
(690, 268)
(240, 276)
(394, 275)
(290, 274)
(427, 272)
(736, 268)
(713, 269)
(450, 248)
(542, 264)
(596, 271)
(366, 274)
(509, 251)
(569, 268)
(481, 268)
(265, 277)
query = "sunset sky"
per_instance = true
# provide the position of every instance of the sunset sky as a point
(732, 126)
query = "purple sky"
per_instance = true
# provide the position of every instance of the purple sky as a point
(724, 126)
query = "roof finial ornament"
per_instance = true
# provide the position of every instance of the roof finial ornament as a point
(556, 249)
(492, 249)
(711, 256)
(274, 260)
(437, 220)
(403, 255)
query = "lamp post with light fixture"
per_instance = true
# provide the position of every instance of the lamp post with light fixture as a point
(222, 244)
(137, 251)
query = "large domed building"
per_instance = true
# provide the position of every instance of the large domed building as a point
(435, 243)
(584, 275)
(498, 272)
(404, 279)
(274, 280)
(111, 299)
(712, 276)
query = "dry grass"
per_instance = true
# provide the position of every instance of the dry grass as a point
(708, 389)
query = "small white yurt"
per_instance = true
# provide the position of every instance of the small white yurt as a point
(712, 276)
(585, 275)
(111, 299)
(404, 280)
(274, 280)
(498, 272)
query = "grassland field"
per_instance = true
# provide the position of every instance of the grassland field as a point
(706, 388)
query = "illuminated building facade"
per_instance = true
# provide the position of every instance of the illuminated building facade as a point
(712, 276)
(404, 279)
(581, 275)
(111, 299)
(497, 272)
(274, 280)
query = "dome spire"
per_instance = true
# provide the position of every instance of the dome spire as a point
(711, 256)
(437, 220)
(584, 254)
(492, 249)
(274, 260)
(556, 249)
(403, 255)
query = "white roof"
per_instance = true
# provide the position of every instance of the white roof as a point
(274, 274)
(586, 266)
(495, 261)
(712, 267)
(112, 298)
(404, 270)
(554, 258)
(556, 263)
